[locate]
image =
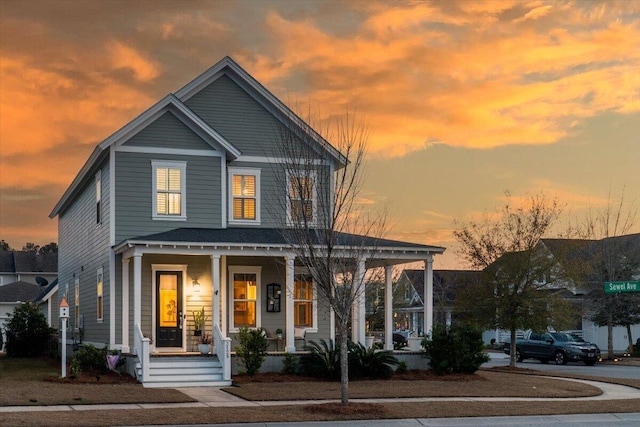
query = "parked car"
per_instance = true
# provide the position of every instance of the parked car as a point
(557, 346)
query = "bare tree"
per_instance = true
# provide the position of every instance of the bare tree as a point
(513, 293)
(328, 228)
(610, 256)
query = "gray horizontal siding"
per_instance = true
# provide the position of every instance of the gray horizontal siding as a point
(238, 117)
(134, 194)
(168, 131)
(83, 248)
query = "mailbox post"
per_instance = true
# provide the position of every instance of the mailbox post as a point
(64, 317)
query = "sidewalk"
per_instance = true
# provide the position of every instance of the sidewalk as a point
(215, 397)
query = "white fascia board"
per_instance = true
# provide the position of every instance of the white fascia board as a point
(50, 293)
(87, 169)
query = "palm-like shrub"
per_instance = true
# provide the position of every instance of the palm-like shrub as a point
(323, 360)
(369, 362)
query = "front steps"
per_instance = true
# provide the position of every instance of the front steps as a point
(183, 371)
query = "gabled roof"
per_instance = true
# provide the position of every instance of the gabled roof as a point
(443, 280)
(175, 103)
(28, 262)
(35, 262)
(263, 96)
(19, 292)
(168, 103)
(47, 292)
(7, 264)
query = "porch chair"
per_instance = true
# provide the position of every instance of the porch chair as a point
(299, 335)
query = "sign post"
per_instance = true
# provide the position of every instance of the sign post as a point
(64, 316)
(628, 286)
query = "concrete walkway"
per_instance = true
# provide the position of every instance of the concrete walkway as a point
(215, 397)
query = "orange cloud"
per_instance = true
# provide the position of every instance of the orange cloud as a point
(126, 57)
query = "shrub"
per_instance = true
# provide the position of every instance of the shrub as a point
(91, 358)
(367, 362)
(457, 349)
(402, 367)
(27, 331)
(290, 364)
(252, 349)
(636, 349)
(323, 360)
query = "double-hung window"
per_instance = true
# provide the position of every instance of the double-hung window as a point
(245, 296)
(99, 293)
(244, 194)
(76, 304)
(169, 190)
(301, 206)
(98, 182)
(304, 302)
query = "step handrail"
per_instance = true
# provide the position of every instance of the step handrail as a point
(142, 349)
(222, 348)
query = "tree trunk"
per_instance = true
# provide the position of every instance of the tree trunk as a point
(512, 349)
(344, 368)
(610, 336)
(630, 339)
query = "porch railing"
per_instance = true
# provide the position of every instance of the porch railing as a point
(222, 348)
(142, 349)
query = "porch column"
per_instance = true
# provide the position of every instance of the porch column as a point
(428, 295)
(388, 308)
(359, 312)
(291, 344)
(137, 290)
(222, 299)
(215, 291)
(125, 305)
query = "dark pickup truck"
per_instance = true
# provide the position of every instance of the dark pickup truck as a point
(557, 346)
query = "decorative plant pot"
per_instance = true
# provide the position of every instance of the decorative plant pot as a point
(204, 348)
(369, 341)
(279, 336)
(415, 343)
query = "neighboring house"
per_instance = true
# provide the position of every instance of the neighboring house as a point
(16, 293)
(174, 212)
(409, 306)
(16, 266)
(573, 258)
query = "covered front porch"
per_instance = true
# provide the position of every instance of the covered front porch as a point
(163, 284)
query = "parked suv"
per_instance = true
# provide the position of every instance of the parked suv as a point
(557, 346)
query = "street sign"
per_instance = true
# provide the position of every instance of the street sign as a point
(615, 287)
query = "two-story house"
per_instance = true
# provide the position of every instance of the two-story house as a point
(174, 212)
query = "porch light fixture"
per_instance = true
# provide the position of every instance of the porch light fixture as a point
(196, 285)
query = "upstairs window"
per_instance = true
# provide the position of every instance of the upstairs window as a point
(244, 195)
(302, 198)
(169, 199)
(99, 198)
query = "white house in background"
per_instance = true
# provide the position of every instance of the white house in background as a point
(174, 212)
(20, 266)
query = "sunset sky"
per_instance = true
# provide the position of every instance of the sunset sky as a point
(464, 99)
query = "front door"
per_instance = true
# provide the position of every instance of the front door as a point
(168, 309)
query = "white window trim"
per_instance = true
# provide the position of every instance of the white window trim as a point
(98, 185)
(241, 269)
(99, 301)
(314, 291)
(243, 171)
(314, 195)
(182, 165)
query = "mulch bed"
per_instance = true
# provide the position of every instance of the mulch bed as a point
(94, 377)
